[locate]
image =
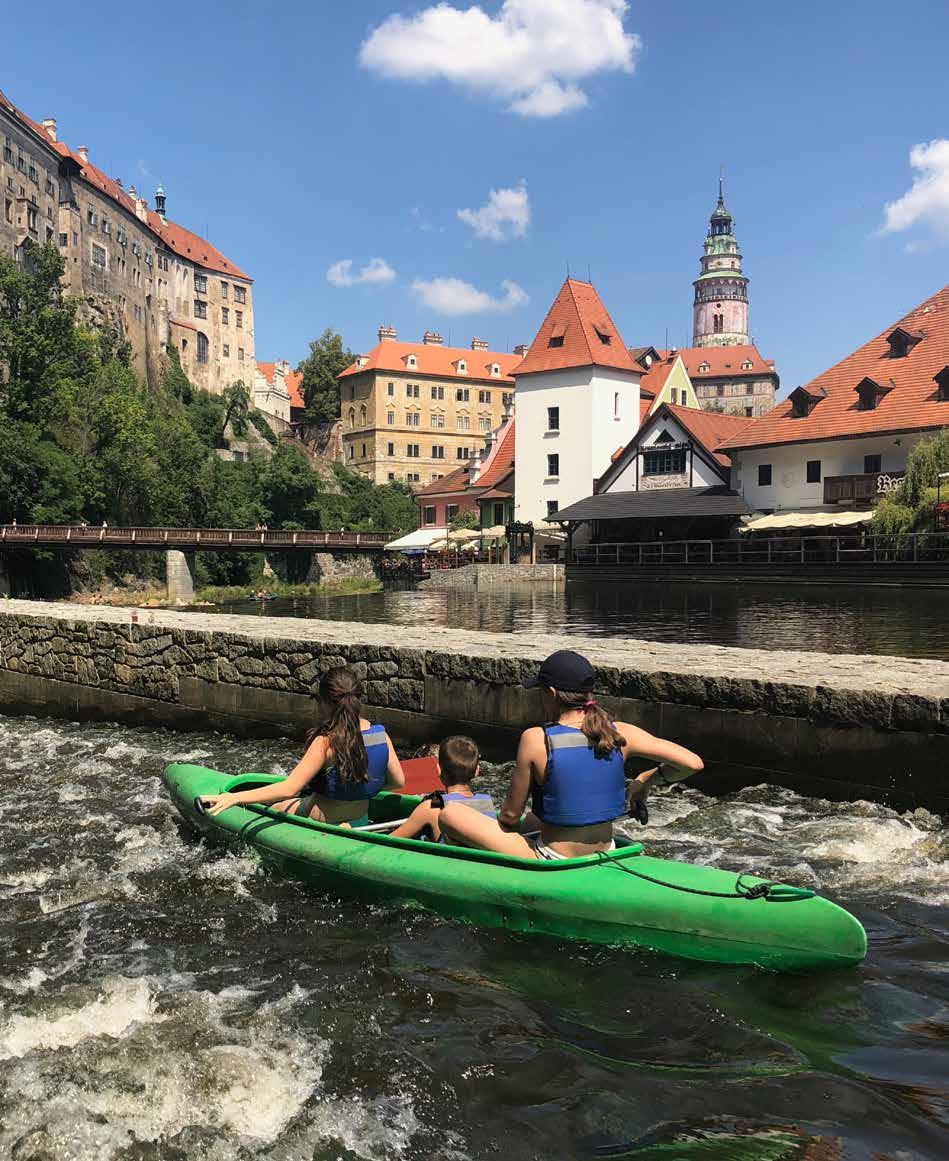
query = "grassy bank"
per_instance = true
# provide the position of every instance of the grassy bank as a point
(225, 594)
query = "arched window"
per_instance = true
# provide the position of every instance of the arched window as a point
(362, 415)
(202, 347)
(352, 417)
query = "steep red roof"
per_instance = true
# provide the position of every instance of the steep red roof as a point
(910, 401)
(723, 362)
(709, 428)
(655, 378)
(456, 481)
(644, 405)
(176, 238)
(577, 332)
(501, 460)
(434, 359)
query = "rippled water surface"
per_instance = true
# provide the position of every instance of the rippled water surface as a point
(159, 999)
(829, 619)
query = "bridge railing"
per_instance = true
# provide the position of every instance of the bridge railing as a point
(210, 539)
(896, 548)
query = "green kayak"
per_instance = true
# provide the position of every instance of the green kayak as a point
(619, 898)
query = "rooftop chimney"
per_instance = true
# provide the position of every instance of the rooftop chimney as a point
(479, 344)
(521, 349)
(49, 124)
(83, 152)
(387, 333)
(432, 339)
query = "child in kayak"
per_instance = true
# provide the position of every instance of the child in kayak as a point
(572, 769)
(459, 763)
(348, 761)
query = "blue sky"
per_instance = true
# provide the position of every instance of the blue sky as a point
(303, 135)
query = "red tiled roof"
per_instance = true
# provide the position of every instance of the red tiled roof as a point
(644, 405)
(576, 319)
(912, 403)
(432, 359)
(655, 378)
(501, 461)
(176, 238)
(710, 428)
(456, 481)
(503, 491)
(292, 381)
(723, 362)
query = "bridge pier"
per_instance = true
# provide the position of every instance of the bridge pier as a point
(179, 572)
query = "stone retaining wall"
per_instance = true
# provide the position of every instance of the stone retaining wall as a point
(841, 725)
(480, 576)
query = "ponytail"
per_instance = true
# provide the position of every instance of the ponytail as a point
(340, 691)
(596, 725)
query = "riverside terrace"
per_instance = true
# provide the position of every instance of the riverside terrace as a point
(834, 725)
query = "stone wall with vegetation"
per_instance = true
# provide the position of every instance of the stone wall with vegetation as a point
(879, 725)
(480, 576)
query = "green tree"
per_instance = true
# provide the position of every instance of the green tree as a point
(288, 485)
(39, 346)
(320, 369)
(465, 519)
(236, 410)
(909, 508)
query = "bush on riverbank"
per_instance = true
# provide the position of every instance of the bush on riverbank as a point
(910, 507)
(225, 594)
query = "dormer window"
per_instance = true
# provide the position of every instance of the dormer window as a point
(411, 361)
(902, 341)
(942, 382)
(462, 367)
(704, 368)
(557, 336)
(746, 365)
(495, 369)
(602, 334)
(869, 393)
(803, 401)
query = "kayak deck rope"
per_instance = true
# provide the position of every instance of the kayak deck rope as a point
(772, 892)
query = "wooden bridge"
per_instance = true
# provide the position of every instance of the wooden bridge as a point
(189, 539)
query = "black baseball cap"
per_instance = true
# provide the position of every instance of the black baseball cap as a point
(566, 671)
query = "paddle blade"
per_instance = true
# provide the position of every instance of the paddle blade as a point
(420, 775)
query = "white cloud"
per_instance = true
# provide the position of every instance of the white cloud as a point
(375, 270)
(927, 200)
(531, 54)
(453, 296)
(506, 215)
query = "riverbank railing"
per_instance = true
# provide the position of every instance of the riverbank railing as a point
(187, 539)
(899, 548)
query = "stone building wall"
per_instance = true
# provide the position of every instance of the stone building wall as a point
(736, 395)
(29, 188)
(375, 433)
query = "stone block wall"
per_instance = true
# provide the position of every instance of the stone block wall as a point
(843, 726)
(479, 576)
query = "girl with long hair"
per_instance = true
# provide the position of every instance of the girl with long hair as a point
(573, 772)
(348, 760)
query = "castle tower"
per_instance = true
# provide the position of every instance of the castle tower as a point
(720, 309)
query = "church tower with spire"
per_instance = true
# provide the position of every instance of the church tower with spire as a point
(720, 307)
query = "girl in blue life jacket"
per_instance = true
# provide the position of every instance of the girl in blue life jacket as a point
(348, 761)
(572, 770)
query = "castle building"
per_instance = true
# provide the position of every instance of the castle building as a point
(157, 285)
(724, 367)
(413, 412)
(720, 307)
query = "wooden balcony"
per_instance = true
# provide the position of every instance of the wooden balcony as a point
(865, 487)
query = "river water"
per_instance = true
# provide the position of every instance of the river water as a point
(163, 1000)
(829, 619)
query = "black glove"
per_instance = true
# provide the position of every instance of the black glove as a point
(636, 792)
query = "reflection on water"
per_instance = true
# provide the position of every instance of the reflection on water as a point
(161, 1001)
(829, 619)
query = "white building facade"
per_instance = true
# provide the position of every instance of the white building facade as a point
(577, 403)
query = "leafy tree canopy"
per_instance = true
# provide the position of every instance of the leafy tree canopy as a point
(327, 358)
(909, 508)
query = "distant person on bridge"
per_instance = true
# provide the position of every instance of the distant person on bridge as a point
(347, 762)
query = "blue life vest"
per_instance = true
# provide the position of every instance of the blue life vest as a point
(482, 803)
(328, 783)
(580, 789)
